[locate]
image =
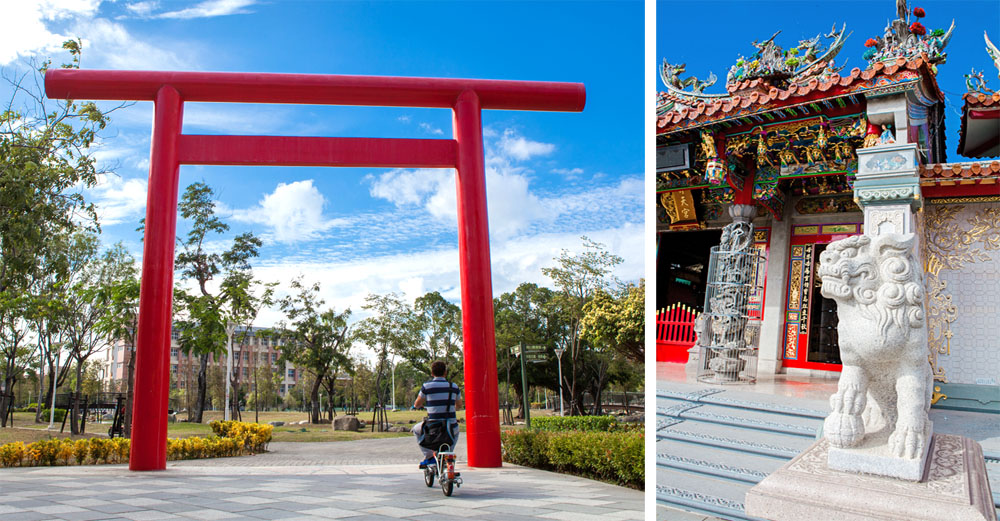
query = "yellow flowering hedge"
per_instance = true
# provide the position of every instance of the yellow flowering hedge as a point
(234, 439)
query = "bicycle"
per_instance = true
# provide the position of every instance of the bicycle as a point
(444, 469)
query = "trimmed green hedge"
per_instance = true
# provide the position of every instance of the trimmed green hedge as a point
(583, 423)
(60, 414)
(609, 456)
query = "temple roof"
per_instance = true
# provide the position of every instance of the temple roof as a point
(756, 96)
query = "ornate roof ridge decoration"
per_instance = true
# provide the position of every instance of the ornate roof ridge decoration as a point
(993, 52)
(780, 68)
(878, 76)
(903, 39)
(974, 81)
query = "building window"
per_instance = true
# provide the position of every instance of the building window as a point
(274, 357)
(291, 373)
(244, 372)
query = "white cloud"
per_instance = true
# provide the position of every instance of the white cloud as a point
(345, 284)
(568, 172)
(119, 200)
(431, 129)
(143, 9)
(110, 45)
(521, 148)
(26, 30)
(293, 213)
(210, 8)
(410, 187)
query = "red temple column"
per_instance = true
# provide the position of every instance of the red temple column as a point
(482, 414)
(152, 363)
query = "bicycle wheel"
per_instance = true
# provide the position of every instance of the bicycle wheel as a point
(446, 486)
(429, 477)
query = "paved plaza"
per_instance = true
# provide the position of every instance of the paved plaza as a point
(360, 480)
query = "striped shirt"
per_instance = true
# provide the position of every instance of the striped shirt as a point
(440, 396)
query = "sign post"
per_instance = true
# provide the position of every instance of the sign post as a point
(559, 353)
(524, 391)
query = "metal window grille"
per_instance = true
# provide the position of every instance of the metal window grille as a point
(729, 333)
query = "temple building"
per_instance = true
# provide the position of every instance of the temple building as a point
(809, 153)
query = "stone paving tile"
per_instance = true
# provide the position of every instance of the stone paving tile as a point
(329, 513)
(148, 515)
(57, 509)
(26, 516)
(210, 514)
(270, 513)
(517, 510)
(87, 515)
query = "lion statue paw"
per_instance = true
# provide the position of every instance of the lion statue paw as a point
(907, 441)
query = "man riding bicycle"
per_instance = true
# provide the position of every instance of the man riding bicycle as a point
(442, 399)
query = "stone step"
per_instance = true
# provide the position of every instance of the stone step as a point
(754, 419)
(715, 462)
(815, 409)
(702, 494)
(727, 437)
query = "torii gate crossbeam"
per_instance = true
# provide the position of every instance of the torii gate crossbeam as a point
(170, 149)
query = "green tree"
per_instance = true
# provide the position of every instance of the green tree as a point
(393, 328)
(527, 315)
(314, 339)
(438, 323)
(208, 313)
(578, 278)
(616, 319)
(120, 296)
(45, 163)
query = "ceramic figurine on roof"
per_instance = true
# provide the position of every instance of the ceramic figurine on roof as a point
(781, 68)
(903, 39)
(993, 52)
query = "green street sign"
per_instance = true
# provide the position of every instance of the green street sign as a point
(534, 349)
(535, 357)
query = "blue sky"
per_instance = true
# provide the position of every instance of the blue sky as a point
(552, 177)
(710, 35)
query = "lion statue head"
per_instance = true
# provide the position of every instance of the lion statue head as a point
(878, 275)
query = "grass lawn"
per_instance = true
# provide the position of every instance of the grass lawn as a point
(32, 435)
(298, 433)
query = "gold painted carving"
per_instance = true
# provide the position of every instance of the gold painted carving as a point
(969, 199)
(938, 395)
(796, 285)
(840, 228)
(668, 205)
(684, 204)
(806, 230)
(947, 245)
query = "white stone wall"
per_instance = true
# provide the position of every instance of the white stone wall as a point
(975, 291)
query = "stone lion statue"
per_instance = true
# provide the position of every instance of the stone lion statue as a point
(886, 381)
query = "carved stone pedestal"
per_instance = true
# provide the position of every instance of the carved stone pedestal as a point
(873, 457)
(954, 487)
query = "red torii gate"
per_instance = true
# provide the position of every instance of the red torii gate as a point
(170, 149)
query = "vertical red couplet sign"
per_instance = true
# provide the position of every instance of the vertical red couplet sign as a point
(170, 149)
